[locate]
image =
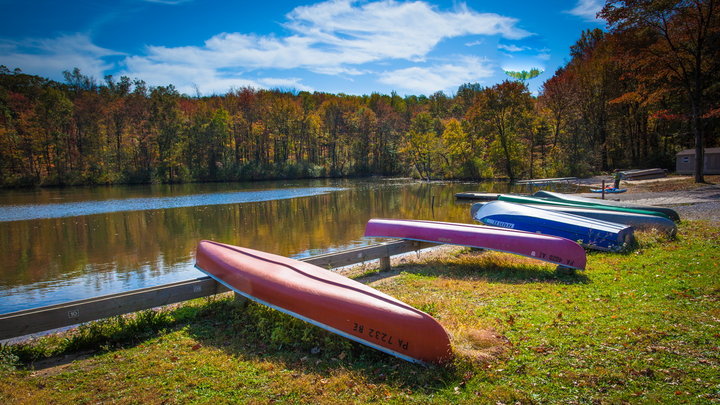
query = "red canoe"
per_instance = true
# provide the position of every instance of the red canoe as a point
(553, 249)
(328, 300)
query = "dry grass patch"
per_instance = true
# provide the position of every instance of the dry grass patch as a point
(480, 346)
(672, 183)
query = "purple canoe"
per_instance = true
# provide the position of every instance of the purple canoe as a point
(553, 249)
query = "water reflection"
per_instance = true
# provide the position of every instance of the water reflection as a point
(74, 209)
(53, 260)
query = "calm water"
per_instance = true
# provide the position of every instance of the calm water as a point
(66, 244)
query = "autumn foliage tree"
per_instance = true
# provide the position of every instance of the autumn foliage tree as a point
(673, 45)
(502, 113)
(630, 97)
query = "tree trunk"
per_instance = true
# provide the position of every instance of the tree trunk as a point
(699, 150)
(696, 100)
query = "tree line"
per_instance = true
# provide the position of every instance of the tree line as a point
(629, 97)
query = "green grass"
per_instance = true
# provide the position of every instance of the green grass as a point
(639, 327)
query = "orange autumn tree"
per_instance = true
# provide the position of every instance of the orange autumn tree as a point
(675, 46)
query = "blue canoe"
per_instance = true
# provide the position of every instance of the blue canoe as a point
(637, 221)
(592, 233)
(608, 190)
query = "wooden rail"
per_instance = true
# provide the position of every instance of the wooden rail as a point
(41, 319)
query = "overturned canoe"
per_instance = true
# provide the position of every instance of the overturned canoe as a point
(477, 196)
(569, 198)
(542, 247)
(546, 201)
(594, 234)
(546, 181)
(637, 221)
(328, 300)
(643, 174)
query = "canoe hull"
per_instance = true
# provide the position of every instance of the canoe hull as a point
(328, 300)
(643, 174)
(637, 221)
(477, 196)
(542, 247)
(592, 233)
(567, 198)
(544, 201)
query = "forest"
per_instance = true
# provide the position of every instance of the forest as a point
(628, 97)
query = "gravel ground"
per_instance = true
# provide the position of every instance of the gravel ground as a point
(702, 203)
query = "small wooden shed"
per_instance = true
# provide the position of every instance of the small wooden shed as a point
(685, 161)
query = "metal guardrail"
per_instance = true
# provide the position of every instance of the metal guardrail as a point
(50, 317)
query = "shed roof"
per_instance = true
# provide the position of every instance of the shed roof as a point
(691, 152)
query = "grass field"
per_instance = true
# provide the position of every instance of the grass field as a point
(639, 327)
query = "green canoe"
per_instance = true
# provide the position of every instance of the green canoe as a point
(568, 198)
(542, 201)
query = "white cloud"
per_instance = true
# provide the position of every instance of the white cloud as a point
(520, 65)
(339, 70)
(186, 78)
(587, 9)
(285, 83)
(390, 29)
(330, 35)
(446, 77)
(334, 37)
(49, 57)
(524, 53)
(512, 48)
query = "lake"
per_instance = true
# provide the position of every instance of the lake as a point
(64, 244)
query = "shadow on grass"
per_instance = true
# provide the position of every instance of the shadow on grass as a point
(255, 333)
(89, 338)
(646, 239)
(485, 270)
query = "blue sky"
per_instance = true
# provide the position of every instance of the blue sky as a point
(336, 46)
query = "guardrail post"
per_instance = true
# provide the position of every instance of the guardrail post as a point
(385, 263)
